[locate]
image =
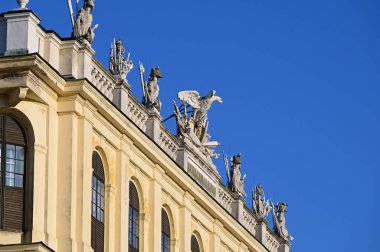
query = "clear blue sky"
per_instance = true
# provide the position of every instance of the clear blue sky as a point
(300, 82)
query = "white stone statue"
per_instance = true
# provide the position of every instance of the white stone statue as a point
(195, 126)
(260, 206)
(235, 182)
(82, 29)
(150, 88)
(118, 65)
(279, 220)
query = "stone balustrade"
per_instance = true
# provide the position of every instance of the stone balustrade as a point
(224, 198)
(249, 221)
(102, 81)
(137, 114)
(168, 143)
(272, 241)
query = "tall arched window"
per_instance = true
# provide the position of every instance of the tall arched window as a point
(194, 244)
(97, 219)
(134, 214)
(165, 234)
(12, 174)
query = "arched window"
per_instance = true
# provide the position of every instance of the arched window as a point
(12, 174)
(165, 235)
(194, 244)
(97, 214)
(134, 214)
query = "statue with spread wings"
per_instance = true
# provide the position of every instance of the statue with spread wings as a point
(195, 126)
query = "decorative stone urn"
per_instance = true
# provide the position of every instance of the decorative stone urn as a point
(22, 3)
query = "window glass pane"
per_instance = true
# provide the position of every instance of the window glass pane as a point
(19, 167)
(98, 213)
(10, 151)
(93, 196)
(19, 152)
(102, 189)
(94, 182)
(10, 165)
(19, 181)
(99, 185)
(9, 179)
(94, 210)
(98, 201)
(102, 202)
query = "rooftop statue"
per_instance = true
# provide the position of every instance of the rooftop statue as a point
(279, 220)
(235, 182)
(118, 65)
(82, 29)
(195, 127)
(150, 88)
(260, 206)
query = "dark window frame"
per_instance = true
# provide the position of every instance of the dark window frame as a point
(97, 221)
(195, 244)
(165, 231)
(12, 196)
(134, 219)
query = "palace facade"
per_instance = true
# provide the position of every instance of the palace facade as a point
(85, 166)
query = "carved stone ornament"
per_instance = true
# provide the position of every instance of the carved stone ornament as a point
(82, 29)
(278, 213)
(118, 65)
(150, 88)
(235, 182)
(260, 206)
(195, 127)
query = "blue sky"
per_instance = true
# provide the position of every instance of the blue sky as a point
(300, 84)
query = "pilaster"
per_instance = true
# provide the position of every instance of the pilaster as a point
(215, 236)
(122, 196)
(67, 186)
(52, 132)
(155, 206)
(185, 223)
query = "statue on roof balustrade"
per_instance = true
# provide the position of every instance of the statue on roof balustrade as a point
(234, 180)
(195, 127)
(150, 88)
(278, 214)
(260, 206)
(82, 23)
(118, 65)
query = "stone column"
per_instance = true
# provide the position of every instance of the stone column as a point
(261, 230)
(22, 35)
(284, 247)
(185, 223)
(121, 95)
(153, 125)
(155, 206)
(85, 55)
(238, 207)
